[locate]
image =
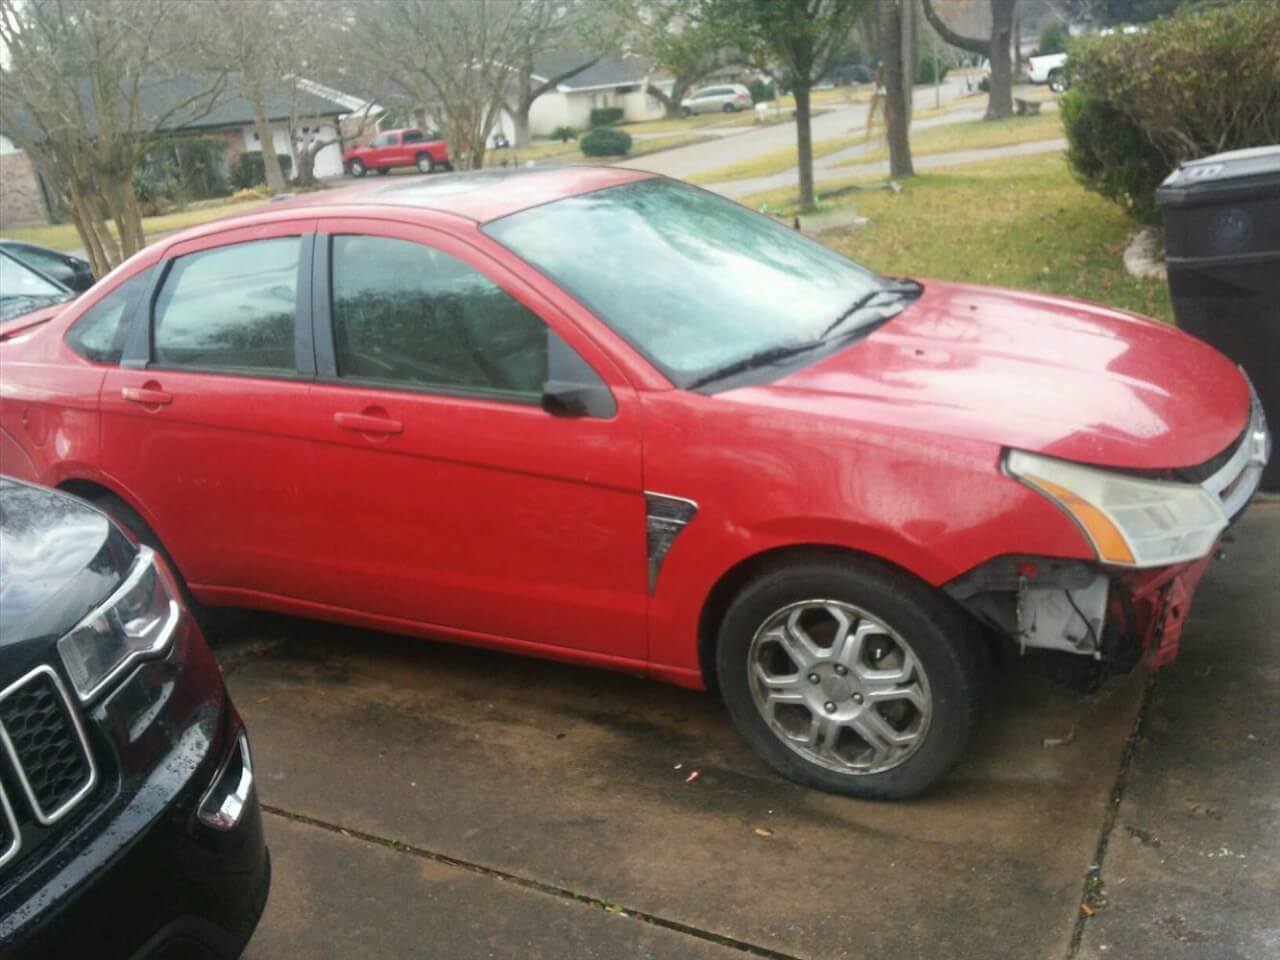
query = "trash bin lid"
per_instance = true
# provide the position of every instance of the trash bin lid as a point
(1255, 168)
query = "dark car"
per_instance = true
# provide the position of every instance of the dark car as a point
(129, 822)
(23, 290)
(74, 273)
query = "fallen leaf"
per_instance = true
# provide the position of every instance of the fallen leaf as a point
(691, 777)
(1060, 741)
(763, 832)
(1086, 910)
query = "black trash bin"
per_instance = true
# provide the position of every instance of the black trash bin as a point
(1222, 248)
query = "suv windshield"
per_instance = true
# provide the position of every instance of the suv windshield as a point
(698, 284)
(23, 290)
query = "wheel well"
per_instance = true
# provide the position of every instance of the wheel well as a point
(732, 581)
(85, 489)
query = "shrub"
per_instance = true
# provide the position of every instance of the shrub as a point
(251, 193)
(761, 90)
(1199, 82)
(249, 170)
(564, 134)
(1053, 38)
(605, 116)
(606, 142)
(985, 84)
(924, 71)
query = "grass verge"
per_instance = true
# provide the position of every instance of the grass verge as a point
(973, 135)
(1027, 225)
(63, 236)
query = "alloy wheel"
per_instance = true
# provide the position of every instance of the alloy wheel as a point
(839, 687)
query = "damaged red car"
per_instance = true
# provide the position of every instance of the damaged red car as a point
(608, 418)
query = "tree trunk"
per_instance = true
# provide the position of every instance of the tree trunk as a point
(1000, 103)
(520, 124)
(804, 143)
(897, 93)
(670, 104)
(305, 165)
(270, 163)
(907, 43)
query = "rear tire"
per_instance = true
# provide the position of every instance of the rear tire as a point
(425, 163)
(1058, 80)
(912, 677)
(730, 108)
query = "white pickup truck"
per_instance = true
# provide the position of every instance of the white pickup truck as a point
(1050, 68)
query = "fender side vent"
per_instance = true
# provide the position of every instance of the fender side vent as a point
(666, 517)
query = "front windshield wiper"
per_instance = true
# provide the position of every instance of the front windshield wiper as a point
(902, 288)
(760, 358)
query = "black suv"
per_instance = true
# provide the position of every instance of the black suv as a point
(129, 822)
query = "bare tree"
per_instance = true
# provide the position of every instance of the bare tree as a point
(87, 87)
(689, 39)
(995, 48)
(550, 27)
(451, 58)
(894, 36)
(802, 37)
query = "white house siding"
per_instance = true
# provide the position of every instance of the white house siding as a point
(328, 160)
(572, 108)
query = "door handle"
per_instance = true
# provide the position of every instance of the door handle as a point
(150, 396)
(367, 423)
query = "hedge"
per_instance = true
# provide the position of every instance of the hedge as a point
(605, 116)
(249, 170)
(1200, 82)
(606, 142)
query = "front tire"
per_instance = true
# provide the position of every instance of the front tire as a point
(357, 168)
(848, 676)
(730, 108)
(686, 112)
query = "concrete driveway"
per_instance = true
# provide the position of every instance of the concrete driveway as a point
(431, 801)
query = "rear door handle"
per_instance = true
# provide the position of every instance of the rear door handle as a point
(366, 423)
(148, 396)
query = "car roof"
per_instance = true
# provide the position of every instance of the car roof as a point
(480, 197)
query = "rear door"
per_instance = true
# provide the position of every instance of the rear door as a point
(202, 423)
(463, 504)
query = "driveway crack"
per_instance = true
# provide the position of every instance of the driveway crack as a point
(621, 910)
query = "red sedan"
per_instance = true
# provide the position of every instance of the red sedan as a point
(607, 418)
(398, 148)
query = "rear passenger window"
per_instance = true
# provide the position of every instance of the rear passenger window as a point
(99, 335)
(414, 136)
(230, 308)
(405, 314)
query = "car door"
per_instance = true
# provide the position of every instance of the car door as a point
(202, 423)
(462, 503)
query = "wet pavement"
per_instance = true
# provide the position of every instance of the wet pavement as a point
(425, 800)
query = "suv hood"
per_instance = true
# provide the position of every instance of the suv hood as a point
(1048, 374)
(59, 558)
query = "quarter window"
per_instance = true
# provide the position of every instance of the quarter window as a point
(230, 308)
(405, 314)
(99, 335)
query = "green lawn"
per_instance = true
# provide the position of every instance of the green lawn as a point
(63, 236)
(784, 158)
(1026, 224)
(974, 135)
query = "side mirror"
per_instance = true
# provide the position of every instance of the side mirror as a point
(572, 388)
(561, 399)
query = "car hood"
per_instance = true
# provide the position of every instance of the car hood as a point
(1048, 374)
(59, 558)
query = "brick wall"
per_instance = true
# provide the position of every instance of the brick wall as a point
(21, 201)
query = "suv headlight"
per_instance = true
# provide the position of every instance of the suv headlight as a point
(1131, 522)
(134, 623)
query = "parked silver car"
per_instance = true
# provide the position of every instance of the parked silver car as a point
(728, 97)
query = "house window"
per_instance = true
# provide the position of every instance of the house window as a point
(628, 88)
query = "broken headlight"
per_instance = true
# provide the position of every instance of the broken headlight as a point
(134, 623)
(1130, 521)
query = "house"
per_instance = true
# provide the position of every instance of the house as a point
(609, 82)
(314, 114)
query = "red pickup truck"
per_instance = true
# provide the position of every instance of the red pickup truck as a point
(398, 148)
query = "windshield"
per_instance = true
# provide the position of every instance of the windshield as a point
(23, 290)
(695, 282)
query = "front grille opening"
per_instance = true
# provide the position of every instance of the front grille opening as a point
(44, 744)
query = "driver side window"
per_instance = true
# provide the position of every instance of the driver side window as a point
(408, 315)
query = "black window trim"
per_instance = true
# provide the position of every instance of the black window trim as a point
(128, 320)
(326, 346)
(139, 349)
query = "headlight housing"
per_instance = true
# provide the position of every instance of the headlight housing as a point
(135, 622)
(1130, 522)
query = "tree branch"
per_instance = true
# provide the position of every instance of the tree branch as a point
(972, 44)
